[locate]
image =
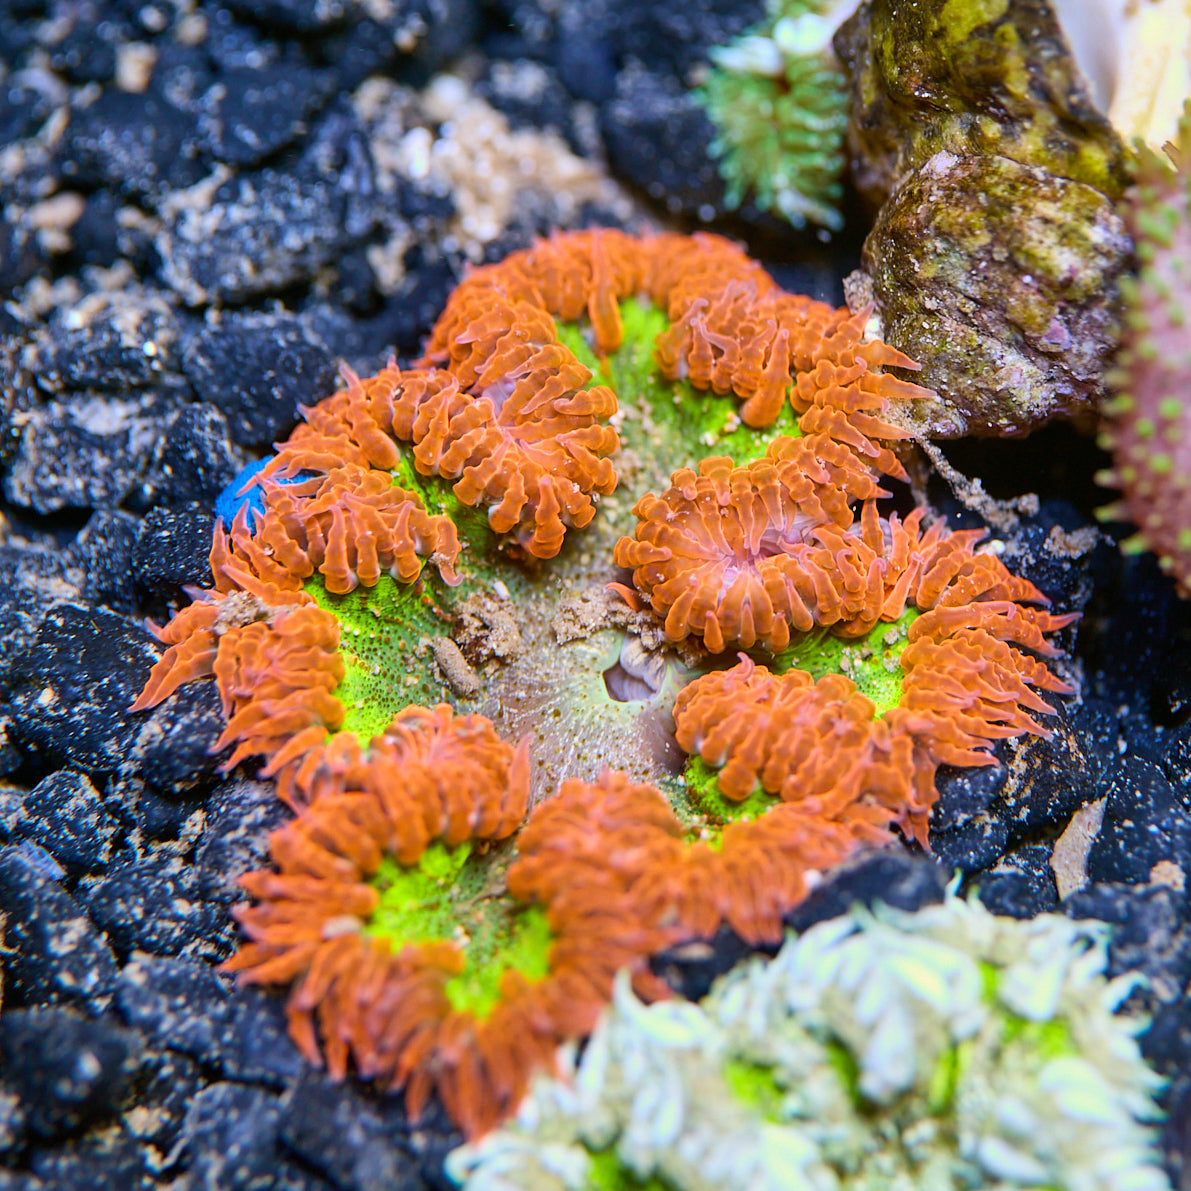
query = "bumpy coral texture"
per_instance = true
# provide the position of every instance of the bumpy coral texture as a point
(742, 556)
(1148, 427)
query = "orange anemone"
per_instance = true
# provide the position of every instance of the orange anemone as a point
(966, 684)
(612, 851)
(742, 556)
(385, 1004)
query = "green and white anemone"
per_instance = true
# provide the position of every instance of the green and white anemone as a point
(779, 101)
(942, 1050)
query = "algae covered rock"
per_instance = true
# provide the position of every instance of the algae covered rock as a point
(974, 77)
(1003, 279)
(994, 260)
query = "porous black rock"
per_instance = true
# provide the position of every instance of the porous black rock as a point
(67, 1070)
(172, 549)
(64, 813)
(1151, 935)
(20, 256)
(240, 815)
(890, 876)
(672, 38)
(110, 343)
(25, 104)
(103, 550)
(267, 230)
(965, 832)
(10, 757)
(1146, 833)
(159, 817)
(85, 450)
(531, 95)
(83, 45)
(152, 904)
(1127, 655)
(690, 968)
(409, 314)
(229, 1137)
(96, 236)
(140, 146)
(31, 582)
(295, 17)
(57, 955)
(108, 1159)
(352, 1138)
(257, 369)
(166, 1083)
(1176, 1130)
(181, 1004)
(1022, 885)
(657, 136)
(197, 459)
(174, 744)
(1038, 783)
(14, 1126)
(17, 29)
(250, 112)
(1057, 563)
(72, 689)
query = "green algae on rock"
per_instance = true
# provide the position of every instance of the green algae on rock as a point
(944, 1049)
(995, 257)
(974, 78)
(1004, 280)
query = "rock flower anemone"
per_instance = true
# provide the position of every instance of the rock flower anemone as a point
(1146, 424)
(410, 713)
(945, 1049)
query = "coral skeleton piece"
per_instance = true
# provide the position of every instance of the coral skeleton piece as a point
(946, 1049)
(1148, 423)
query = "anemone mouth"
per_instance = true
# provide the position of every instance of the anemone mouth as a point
(625, 687)
(638, 674)
(497, 394)
(599, 702)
